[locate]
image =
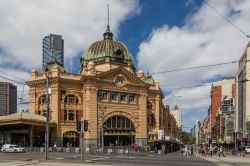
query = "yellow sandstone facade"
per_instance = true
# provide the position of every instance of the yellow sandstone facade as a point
(107, 91)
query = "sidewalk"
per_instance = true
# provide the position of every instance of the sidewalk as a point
(227, 159)
(45, 163)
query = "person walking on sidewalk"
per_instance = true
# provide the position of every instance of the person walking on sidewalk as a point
(55, 147)
(221, 151)
(211, 150)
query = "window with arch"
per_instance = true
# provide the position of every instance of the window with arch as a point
(118, 122)
(42, 99)
(149, 105)
(151, 119)
(71, 99)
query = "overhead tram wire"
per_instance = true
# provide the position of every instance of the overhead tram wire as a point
(225, 18)
(193, 86)
(195, 67)
(13, 76)
(22, 83)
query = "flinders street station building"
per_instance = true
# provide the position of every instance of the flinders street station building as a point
(107, 92)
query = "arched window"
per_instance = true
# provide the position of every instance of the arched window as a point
(151, 119)
(71, 99)
(118, 122)
(42, 99)
(149, 106)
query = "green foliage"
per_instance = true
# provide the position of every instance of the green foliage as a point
(186, 138)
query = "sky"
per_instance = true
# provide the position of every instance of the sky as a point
(161, 35)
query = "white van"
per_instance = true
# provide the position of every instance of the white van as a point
(12, 148)
(247, 149)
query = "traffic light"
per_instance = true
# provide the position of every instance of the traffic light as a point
(78, 125)
(86, 125)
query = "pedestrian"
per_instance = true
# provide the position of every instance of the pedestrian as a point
(186, 151)
(182, 151)
(192, 150)
(221, 151)
(211, 150)
(55, 147)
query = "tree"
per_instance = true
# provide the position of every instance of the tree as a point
(186, 138)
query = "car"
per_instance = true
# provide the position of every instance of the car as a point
(247, 149)
(12, 148)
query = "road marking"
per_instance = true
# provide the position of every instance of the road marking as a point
(99, 158)
(89, 161)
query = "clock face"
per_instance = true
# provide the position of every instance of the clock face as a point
(119, 81)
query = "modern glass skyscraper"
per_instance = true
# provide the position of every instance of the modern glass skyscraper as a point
(53, 49)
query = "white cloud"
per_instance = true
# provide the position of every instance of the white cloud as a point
(190, 99)
(205, 38)
(24, 23)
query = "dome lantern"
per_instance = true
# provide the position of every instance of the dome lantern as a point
(108, 34)
(108, 51)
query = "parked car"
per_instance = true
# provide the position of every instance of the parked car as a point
(247, 149)
(12, 148)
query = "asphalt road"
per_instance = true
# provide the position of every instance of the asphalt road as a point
(37, 158)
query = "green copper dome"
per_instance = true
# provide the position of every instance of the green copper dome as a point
(114, 51)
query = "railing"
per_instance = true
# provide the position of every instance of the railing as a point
(107, 150)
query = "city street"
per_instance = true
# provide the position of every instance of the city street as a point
(37, 158)
(229, 160)
(141, 83)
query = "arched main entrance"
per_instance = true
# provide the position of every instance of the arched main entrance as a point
(118, 131)
(70, 139)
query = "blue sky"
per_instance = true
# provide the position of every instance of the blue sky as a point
(160, 34)
(154, 14)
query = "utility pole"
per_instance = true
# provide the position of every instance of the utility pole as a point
(235, 139)
(47, 117)
(102, 138)
(101, 107)
(247, 128)
(81, 143)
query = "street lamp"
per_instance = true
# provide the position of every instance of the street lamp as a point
(248, 129)
(101, 108)
(48, 92)
(235, 139)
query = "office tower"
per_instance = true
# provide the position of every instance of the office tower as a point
(53, 50)
(8, 98)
